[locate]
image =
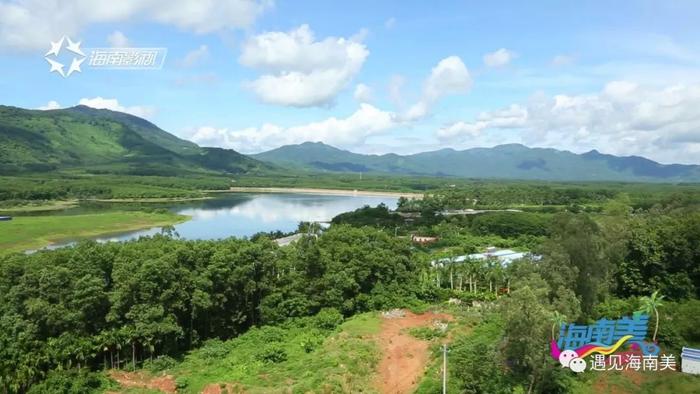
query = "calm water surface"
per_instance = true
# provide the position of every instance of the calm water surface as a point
(242, 214)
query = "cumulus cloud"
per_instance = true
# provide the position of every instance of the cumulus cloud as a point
(363, 93)
(31, 24)
(354, 129)
(195, 56)
(623, 118)
(50, 105)
(113, 104)
(499, 58)
(450, 76)
(117, 39)
(300, 71)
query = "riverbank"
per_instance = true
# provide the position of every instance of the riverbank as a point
(331, 192)
(148, 199)
(39, 206)
(34, 232)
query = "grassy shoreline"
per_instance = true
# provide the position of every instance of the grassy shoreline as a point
(33, 232)
(147, 199)
(41, 206)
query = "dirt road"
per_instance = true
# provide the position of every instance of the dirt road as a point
(404, 357)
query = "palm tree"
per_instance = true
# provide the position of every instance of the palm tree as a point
(557, 320)
(650, 304)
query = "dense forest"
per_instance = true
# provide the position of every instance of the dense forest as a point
(95, 306)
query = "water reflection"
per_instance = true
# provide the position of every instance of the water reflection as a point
(246, 214)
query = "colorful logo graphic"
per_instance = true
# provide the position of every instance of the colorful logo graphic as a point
(605, 337)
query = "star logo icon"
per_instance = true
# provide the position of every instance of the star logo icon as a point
(55, 47)
(53, 54)
(75, 66)
(74, 47)
(56, 66)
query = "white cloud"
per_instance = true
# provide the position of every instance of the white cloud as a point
(113, 104)
(352, 130)
(195, 56)
(514, 116)
(499, 58)
(363, 93)
(117, 39)
(390, 23)
(562, 60)
(300, 71)
(460, 129)
(450, 76)
(50, 105)
(31, 24)
(624, 118)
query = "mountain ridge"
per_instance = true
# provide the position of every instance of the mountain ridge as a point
(506, 161)
(105, 141)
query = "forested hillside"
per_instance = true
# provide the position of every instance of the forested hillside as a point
(102, 141)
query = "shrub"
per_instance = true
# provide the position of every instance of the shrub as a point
(70, 381)
(181, 383)
(272, 353)
(426, 333)
(160, 363)
(309, 341)
(328, 319)
(214, 349)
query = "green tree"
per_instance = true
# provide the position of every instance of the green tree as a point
(651, 304)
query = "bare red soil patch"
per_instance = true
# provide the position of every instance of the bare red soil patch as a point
(163, 383)
(404, 357)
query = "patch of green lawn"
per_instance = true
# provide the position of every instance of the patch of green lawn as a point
(31, 232)
(293, 358)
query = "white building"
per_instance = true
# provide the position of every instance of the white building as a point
(691, 361)
(504, 256)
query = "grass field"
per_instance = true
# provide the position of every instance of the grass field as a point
(31, 232)
(295, 358)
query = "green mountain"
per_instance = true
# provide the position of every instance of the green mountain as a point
(104, 141)
(512, 161)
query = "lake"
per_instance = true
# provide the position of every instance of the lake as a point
(244, 214)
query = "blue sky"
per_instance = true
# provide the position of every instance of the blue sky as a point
(622, 77)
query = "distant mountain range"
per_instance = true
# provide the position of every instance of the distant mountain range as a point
(104, 141)
(511, 161)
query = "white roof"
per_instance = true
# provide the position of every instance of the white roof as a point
(505, 256)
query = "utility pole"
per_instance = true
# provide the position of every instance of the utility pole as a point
(444, 368)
